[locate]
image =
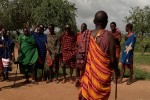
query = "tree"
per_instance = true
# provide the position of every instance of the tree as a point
(140, 18)
(15, 13)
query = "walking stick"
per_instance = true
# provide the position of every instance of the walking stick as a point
(116, 87)
(15, 74)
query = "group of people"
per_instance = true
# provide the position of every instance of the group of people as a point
(94, 53)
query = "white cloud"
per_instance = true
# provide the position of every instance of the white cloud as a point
(116, 10)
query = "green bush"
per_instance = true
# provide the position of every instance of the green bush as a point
(139, 74)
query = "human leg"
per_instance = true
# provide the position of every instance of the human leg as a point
(57, 67)
(64, 72)
(71, 73)
(130, 75)
(122, 73)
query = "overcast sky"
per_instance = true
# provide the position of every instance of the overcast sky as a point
(116, 10)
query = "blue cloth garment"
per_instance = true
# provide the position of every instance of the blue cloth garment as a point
(40, 40)
(9, 47)
(128, 48)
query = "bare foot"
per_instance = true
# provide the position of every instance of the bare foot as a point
(35, 82)
(119, 81)
(64, 81)
(71, 81)
(56, 81)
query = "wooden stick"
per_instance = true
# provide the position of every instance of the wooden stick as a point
(116, 78)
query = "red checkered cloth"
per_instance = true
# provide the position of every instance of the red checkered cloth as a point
(69, 47)
(1, 64)
(48, 59)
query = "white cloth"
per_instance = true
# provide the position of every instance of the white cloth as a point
(6, 62)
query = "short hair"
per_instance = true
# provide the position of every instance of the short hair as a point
(52, 25)
(130, 26)
(113, 23)
(101, 17)
(84, 24)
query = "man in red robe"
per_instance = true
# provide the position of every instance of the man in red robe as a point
(68, 51)
(82, 45)
(117, 38)
(95, 82)
(117, 35)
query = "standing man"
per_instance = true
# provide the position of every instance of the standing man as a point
(96, 81)
(41, 43)
(53, 47)
(117, 37)
(1, 51)
(1, 46)
(7, 53)
(68, 51)
(82, 44)
(28, 53)
(127, 53)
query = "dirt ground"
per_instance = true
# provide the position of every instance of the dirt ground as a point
(139, 90)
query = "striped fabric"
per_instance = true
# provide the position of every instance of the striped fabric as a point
(96, 81)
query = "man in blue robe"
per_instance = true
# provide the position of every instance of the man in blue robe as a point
(127, 53)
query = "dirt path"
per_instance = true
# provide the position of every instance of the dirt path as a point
(139, 90)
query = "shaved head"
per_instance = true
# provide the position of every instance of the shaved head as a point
(101, 19)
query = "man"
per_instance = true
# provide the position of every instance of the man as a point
(68, 51)
(28, 53)
(82, 44)
(53, 47)
(1, 53)
(7, 53)
(96, 81)
(1, 46)
(41, 43)
(127, 53)
(117, 35)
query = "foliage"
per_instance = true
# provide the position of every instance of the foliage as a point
(140, 18)
(139, 74)
(142, 59)
(14, 14)
(141, 46)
